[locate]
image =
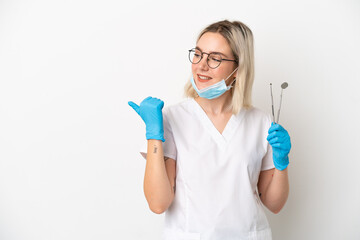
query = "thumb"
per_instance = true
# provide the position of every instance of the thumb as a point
(134, 106)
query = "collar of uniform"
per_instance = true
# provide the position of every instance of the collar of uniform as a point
(221, 138)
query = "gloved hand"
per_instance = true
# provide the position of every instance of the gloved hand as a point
(150, 110)
(279, 140)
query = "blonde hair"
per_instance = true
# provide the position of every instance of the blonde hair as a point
(241, 42)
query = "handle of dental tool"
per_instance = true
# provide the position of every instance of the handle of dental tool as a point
(272, 102)
(278, 113)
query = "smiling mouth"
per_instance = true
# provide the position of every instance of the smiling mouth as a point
(203, 78)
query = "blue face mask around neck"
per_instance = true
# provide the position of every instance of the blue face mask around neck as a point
(215, 90)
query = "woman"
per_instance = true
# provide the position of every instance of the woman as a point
(218, 150)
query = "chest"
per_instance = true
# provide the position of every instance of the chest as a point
(220, 121)
(207, 158)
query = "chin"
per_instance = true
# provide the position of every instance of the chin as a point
(202, 85)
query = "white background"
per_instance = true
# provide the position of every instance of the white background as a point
(69, 161)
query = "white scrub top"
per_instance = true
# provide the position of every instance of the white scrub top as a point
(216, 174)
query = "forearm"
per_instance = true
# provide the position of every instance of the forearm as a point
(157, 186)
(277, 192)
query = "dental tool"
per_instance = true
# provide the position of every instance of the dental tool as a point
(283, 86)
(272, 102)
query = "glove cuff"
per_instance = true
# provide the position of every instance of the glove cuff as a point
(156, 137)
(155, 132)
(283, 165)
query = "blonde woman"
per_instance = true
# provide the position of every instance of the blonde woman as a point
(214, 160)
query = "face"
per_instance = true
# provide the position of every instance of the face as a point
(213, 42)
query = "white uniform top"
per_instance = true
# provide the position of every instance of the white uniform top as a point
(216, 174)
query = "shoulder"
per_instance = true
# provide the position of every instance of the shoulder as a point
(184, 106)
(255, 114)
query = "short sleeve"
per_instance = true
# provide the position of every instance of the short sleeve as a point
(267, 161)
(169, 146)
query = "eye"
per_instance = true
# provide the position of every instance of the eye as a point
(215, 57)
(216, 60)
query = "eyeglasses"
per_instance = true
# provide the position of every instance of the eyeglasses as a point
(213, 59)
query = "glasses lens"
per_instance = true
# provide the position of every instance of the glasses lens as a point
(214, 60)
(194, 56)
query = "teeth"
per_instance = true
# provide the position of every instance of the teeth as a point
(204, 78)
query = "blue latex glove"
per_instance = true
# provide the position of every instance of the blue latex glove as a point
(150, 110)
(279, 140)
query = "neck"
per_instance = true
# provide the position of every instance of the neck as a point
(216, 106)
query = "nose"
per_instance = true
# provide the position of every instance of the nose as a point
(203, 63)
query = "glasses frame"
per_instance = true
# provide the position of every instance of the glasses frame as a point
(207, 59)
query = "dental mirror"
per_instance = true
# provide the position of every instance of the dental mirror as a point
(283, 86)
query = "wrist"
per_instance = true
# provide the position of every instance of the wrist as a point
(155, 132)
(281, 164)
(157, 136)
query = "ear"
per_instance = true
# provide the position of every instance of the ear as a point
(235, 73)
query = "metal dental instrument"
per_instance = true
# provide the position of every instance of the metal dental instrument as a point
(283, 86)
(272, 102)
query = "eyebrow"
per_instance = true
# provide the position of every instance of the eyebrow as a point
(212, 52)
